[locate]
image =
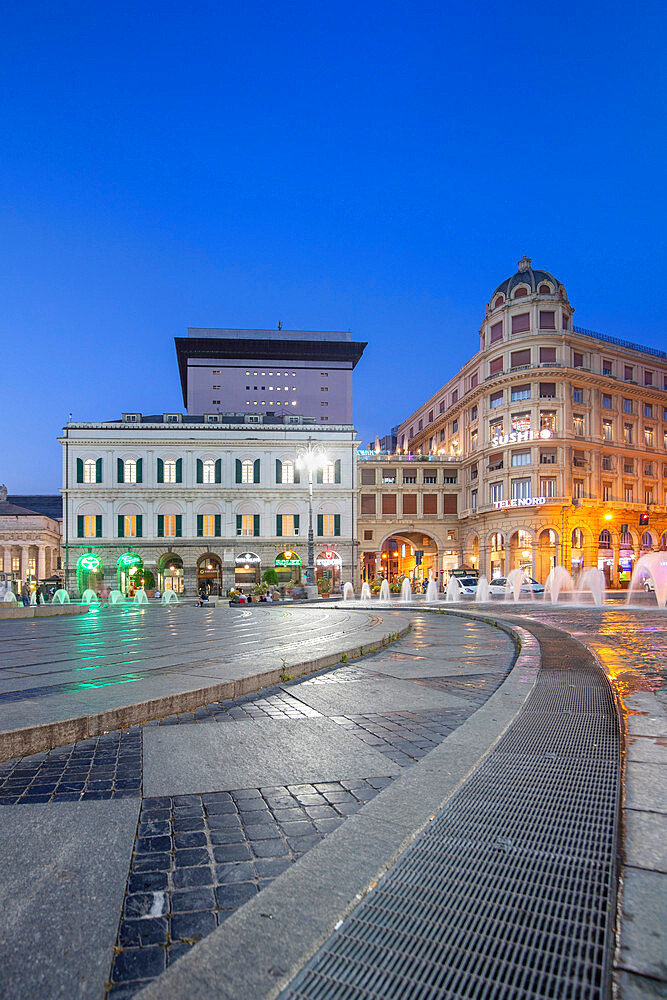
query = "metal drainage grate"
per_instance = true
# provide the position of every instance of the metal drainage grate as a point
(510, 891)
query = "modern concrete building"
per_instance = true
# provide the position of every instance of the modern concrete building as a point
(204, 501)
(269, 371)
(557, 436)
(30, 535)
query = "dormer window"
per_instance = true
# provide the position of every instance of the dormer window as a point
(172, 418)
(521, 293)
(131, 418)
(212, 418)
(545, 290)
(499, 301)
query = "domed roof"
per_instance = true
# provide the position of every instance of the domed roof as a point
(526, 276)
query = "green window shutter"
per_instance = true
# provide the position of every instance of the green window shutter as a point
(336, 524)
(218, 525)
(255, 471)
(79, 526)
(79, 470)
(98, 470)
(239, 524)
(140, 525)
(140, 466)
(279, 525)
(320, 476)
(337, 471)
(179, 525)
(239, 471)
(297, 474)
(255, 525)
(160, 470)
(200, 525)
(98, 526)
(179, 470)
(120, 468)
(200, 471)
(296, 524)
(218, 470)
(279, 471)
(320, 524)
(160, 525)
(121, 526)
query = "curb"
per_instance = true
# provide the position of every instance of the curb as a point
(33, 739)
(10, 612)
(263, 945)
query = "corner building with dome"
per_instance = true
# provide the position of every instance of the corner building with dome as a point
(556, 438)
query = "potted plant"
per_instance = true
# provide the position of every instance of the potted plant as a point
(149, 583)
(324, 587)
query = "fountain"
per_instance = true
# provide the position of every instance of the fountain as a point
(140, 596)
(432, 594)
(365, 591)
(61, 597)
(515, 580)
(89, 597)
(385, 593)
(592, 580)
(10, 597)
(406, 590)
(115, 597)
(483, 593)
(652, 566)
(33, 597)
(453, 592)
(348, 592)
(169, 597)
(558, 581)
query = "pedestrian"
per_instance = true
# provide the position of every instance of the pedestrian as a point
(38, 596)
(25, 595)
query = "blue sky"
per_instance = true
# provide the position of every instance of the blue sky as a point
(379, 167)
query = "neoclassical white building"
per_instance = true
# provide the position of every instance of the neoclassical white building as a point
(204, 501)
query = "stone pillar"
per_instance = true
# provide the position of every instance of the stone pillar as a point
(616, 549)
(482, 561)
(41, 563)
(25, 554)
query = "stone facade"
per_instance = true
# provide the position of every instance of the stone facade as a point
(29, 544)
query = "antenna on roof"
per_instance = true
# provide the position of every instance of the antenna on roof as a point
(280, 324)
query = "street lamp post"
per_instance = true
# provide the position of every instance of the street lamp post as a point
(310, 459)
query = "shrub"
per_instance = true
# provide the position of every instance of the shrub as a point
(270, 576)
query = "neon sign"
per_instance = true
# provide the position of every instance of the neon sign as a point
(129, 559)
(247, 557)
(519, 502)
(288, 558)
(90, 562)
(516, 437)
(328, 558)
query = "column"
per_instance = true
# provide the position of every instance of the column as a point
(41, 563)
(25, 554)
(616, 549)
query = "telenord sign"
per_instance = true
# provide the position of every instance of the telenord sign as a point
(519, 502)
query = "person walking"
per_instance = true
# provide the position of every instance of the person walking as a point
(25, 595)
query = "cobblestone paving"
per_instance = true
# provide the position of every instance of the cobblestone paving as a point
(197, 858)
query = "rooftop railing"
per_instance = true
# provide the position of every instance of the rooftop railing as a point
(620, 343)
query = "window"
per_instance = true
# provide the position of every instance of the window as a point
(247, 524)
(496, 428)
(521, 323)
(519, 358)
(327, 524)
(90, 471)
(629, 493)
(208, 471)
(367, 503)
(473, 413)
(547, 390)
(449, 478)
(169, 471)
(577, 395)
(89, 525)
(520, 423)
(648, 498)
(566, 321)
(287, 524)
(606, 401)
(473, 499)
(499, 301)
(368, 477)
(521, 457)
(548, 487)
(473, 381)
(577, 539)
(627, 406)
(547, 320)
(409, 503)
(130, 471)
(388, 476)
(607, 463)
(430, 501)
(628, 465)
(455, 396)
(577, 360)
(648, 378)
(496, 366)
(409, 478)
(521, 293)
(287, 472)
(130, 526)
(430, 479)
(606, 494)
(496, 332)
(607, 367)
(607, 430)
(430, 416)
(495, 461)
(520, 489)
(648, 410)
(388, 503)
(578, 489)
(578, 424)
(16, 564)
(520, 392)
(548, 420)
(473, 441)
(329, 473)
(628, 373)
(496, 399)
(442, 406)
(208, 525)
(247, 471)
(627, 433)
(547, 355)
(648, 437)
(420, 425)
(368, 535)
(323, 388)
(548, 457)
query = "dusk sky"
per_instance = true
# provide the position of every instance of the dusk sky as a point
(378, 167)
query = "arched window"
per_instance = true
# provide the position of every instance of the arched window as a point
(287, 473)
(247, 471)
(647, 540)
(499, 301)
(544, 290)
(524, 540)
(497, 541)
(626, 540)
(520, 293)
(89, 471)
(577, 539)
(604, 540)
(130, 471)
(663, 541)
(170, 471)
(208, 471)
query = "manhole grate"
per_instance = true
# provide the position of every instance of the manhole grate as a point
(510, 891)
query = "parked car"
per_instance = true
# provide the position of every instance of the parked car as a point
(530, 587)
(649, 585)
(467, 585)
